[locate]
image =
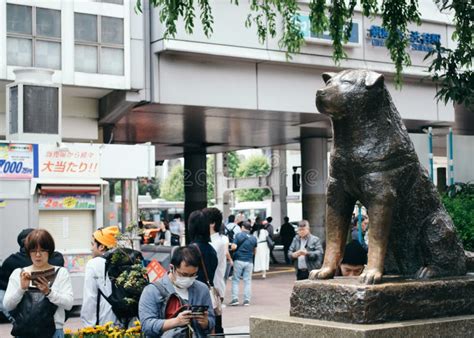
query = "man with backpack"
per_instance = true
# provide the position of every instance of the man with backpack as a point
(231, 229)
(177, 301)
(96, 310)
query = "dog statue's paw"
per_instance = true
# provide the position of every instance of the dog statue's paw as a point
(370, 276)
(323, 273)
(427, 272)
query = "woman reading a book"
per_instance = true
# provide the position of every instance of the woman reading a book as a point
(38, 295)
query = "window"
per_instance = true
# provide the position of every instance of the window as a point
(40, 110)
(33, 37)
(118, 2)
(98, 44)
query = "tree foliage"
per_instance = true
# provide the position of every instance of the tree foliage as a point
(233, 162)
(450, 67)
(459, 202)
(254, 166)
(210, 170)
(150, 186)
(173, 186)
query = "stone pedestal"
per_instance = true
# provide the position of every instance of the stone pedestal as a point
(285, 326)
(346, 300)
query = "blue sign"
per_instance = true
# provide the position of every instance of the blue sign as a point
(418, 41)
(305, 28)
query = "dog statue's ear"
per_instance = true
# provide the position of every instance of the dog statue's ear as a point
(328, 76)
(373, 80)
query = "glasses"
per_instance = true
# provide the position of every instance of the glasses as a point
(40, 252)
(181, 274)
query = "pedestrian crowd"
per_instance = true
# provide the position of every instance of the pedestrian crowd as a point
(36, 290)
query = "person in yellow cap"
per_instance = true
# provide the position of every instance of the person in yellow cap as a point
(95, 308)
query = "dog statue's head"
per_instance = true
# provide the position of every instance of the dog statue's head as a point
(348, 91)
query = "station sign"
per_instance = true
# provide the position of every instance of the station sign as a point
(325, 37)
(17, 160)
(423, 42)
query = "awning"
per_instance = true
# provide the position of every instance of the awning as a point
(67, 185)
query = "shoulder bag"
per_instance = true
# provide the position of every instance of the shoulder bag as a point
(215, 297)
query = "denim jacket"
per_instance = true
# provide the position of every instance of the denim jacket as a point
(151, 301)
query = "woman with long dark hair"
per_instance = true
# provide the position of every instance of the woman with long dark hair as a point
(199, 234)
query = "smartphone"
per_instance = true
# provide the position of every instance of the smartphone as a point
(198, 309)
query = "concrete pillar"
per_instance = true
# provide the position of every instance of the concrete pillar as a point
(195, 184)
(129, 203)
(277, 182)
(314, 174)
(222, 195)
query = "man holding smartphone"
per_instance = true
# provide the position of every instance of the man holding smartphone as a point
(195, 308)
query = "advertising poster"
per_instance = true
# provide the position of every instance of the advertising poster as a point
(76, 263)
(66, 202)
(16, 161)
(70, 161)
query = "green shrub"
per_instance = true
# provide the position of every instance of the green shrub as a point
(459, 202)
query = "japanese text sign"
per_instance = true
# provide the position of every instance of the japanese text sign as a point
(16, 160)
(417, 41)
(74, 161)
(61, 202)
(155, 270)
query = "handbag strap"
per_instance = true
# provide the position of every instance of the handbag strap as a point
(203, 266)
(241, 243)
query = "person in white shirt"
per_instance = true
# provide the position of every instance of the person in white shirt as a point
(262, 254)
(177, 228)
(232, 228)
(220, 243)
(96, 281)
(39, 245)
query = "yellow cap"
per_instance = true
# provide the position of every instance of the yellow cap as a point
(107, 236)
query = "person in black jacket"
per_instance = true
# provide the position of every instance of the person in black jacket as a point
(20, 260)
(199, 234)
(287, 233)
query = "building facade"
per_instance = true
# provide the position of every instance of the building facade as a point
(189, 95)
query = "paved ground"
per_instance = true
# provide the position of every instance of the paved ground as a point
(270, 295)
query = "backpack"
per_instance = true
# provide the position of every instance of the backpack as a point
(121, 265)
(230, 233)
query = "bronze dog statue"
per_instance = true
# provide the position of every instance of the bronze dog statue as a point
(373, 160)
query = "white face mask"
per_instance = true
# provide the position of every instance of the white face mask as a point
(183, 282)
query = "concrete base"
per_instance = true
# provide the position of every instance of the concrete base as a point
(294, 327)
(396, 299)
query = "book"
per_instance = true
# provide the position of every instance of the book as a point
(49, 274)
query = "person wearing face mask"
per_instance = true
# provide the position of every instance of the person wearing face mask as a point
(180, 280)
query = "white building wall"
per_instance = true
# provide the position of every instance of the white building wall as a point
(80, 101)
(463, 159)
(232, 61)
